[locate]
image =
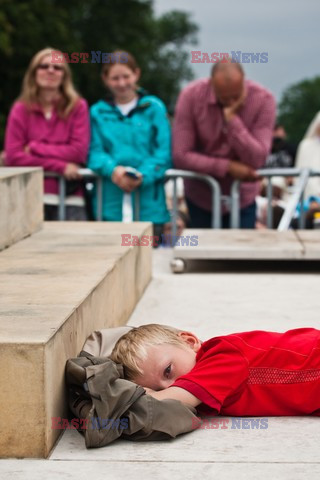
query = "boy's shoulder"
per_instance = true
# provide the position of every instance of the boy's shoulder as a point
(222, 344)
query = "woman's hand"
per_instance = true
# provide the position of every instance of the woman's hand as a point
(71, 172)
(126, 183)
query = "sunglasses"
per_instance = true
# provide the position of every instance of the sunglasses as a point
(46, 66)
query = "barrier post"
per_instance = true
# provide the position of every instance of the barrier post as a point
(269, 207)
(174, 212)
(136, 213)
(62, 196)
(99, 186)
(215, 192)
(235, 205)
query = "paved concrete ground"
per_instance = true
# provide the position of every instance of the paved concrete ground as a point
(208, 300)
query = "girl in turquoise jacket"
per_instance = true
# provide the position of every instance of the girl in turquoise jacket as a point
(131, 129)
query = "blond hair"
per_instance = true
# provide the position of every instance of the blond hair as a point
(131, 349)
(30, 91)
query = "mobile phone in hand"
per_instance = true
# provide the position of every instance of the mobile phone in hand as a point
(133, 173)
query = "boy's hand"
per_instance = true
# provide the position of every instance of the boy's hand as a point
(149, 391)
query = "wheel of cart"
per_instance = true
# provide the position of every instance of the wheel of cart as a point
(177, 265)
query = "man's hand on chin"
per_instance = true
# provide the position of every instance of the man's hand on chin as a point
(230, 111)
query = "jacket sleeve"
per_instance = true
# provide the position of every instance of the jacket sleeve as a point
(154, 167)
(16, 139)
(185, 152)
(76, 150)
(111, 407)
(99, 160)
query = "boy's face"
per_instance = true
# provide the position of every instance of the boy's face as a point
(165, 363)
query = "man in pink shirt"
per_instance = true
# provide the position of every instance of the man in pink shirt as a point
(223, 127)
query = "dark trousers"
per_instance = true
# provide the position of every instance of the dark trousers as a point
(200, 218)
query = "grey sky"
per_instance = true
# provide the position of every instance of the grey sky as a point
(288, 30)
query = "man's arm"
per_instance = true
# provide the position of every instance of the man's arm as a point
(185, 155)
(252, 146)
(184, 147)
(175, 393)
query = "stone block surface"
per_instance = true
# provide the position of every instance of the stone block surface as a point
(21, 203)
(56, 288)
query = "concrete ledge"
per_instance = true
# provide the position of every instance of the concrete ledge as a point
(310, 241)
(251, 245)
(56, 288)
(21, 205)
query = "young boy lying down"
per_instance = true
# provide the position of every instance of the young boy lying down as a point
(255, 373)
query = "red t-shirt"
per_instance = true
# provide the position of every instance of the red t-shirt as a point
(258, 373)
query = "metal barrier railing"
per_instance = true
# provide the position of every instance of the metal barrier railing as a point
(289, 212)
(170, 175)
(215, 195)
(291, 207)
(233, 200)
(85, 173)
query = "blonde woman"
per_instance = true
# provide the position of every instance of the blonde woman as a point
(48, 126)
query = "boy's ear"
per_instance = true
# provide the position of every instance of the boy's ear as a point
(191, 340)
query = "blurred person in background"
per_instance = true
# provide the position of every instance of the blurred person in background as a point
(223, 127)
(308, 156)
(130, 145)
(282, 155)
(283, 152)
(48, 127)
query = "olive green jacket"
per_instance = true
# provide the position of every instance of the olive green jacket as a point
(111, 407)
